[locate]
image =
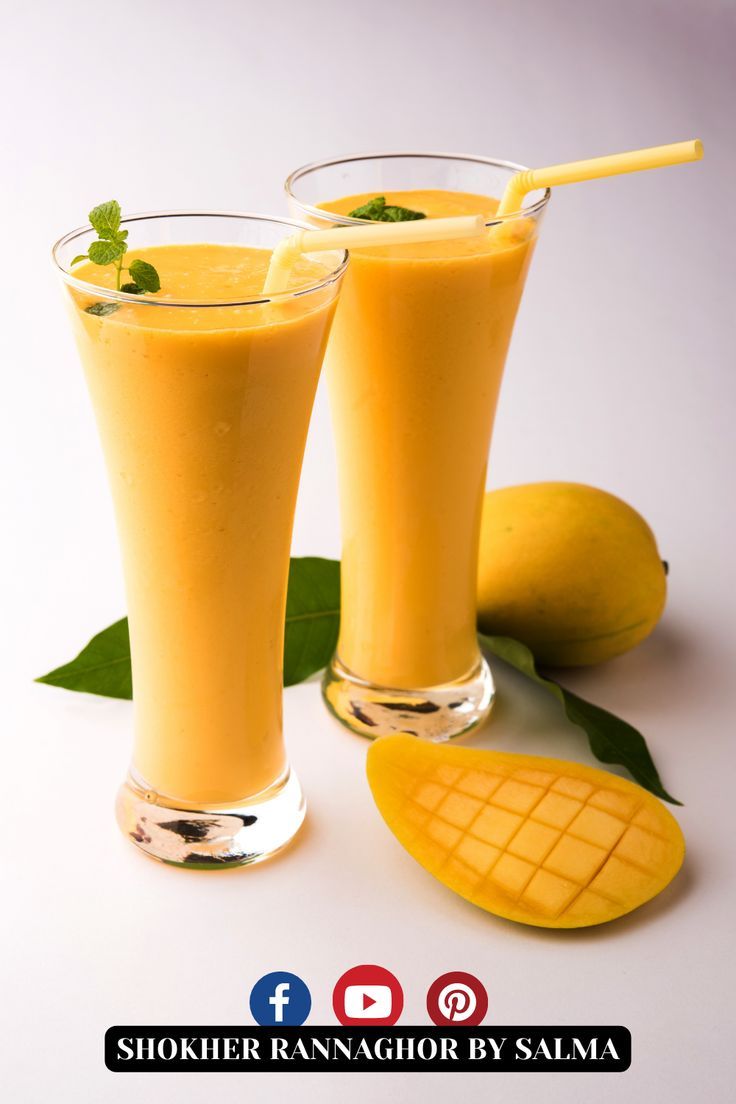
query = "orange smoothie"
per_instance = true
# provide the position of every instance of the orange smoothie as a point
(414, 368)
(203, 415)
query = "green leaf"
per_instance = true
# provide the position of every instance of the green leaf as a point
(400, 214)
(145, 275)
(376, 210)
(105, 219)
(312, 621)
(312, 617)
(79, 257)
(133, 289)
(102, 667)
(105, 252)
(372, 210)
(101, 309)
(611, 739)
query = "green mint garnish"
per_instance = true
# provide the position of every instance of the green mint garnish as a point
(101, 309)
(400, 214)
(105, 252)
(105, 219)
(110, 248)
(371, 210)
(377, 210)
(145, 276)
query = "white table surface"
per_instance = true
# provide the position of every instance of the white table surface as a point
(620, 375)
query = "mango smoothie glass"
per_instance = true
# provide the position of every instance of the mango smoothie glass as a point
(202, 394)
(414, 366)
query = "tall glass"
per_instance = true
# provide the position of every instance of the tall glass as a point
(414, 366)
(202, 406)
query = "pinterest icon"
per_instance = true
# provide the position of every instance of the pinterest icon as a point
(457, 998)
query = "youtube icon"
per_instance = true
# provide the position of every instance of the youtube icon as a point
(368, 995)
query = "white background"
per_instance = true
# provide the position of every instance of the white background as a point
(620, 375)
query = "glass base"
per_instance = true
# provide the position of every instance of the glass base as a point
(436, 713)
(214, 837)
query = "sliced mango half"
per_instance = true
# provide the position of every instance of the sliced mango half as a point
(539, 841)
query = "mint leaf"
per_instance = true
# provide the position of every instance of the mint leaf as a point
(400, 214)
(371, 210)
(79, 257)
(101, 309)
(111, 248)
(102, 667)
(145, 275)
(376, 210)
(105, 219)
(611, 739)
(105, 252)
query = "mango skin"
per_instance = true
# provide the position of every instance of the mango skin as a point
(571, 571)
(540, 841)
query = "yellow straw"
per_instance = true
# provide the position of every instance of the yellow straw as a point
(574, 172)
(288, 251)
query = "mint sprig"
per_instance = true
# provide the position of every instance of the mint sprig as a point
(145, 276)
(377, 210)
(312, 623)
(105, 252)
(110, 248)
(105, 219)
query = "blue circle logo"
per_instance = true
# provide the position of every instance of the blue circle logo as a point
(280, 1000)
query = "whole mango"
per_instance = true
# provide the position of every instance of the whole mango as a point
(571, 571)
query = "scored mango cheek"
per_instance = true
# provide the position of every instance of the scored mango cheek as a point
(540, 841)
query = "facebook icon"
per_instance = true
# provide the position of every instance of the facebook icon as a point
(280, 999)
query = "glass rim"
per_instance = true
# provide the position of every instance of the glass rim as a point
(140, 300)
(320, 212)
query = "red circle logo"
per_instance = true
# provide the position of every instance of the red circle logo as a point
(368, 995)
(457, 999)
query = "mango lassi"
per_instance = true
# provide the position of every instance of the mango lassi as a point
(414, 367)
(203, 413)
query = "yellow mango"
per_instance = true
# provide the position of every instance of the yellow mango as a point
(539, 841)
(571, 571)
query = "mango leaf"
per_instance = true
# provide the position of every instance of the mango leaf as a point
(312, 617)
(102, 667)
(312, 622)
(611, 739)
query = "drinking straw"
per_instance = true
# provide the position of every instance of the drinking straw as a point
(574, 172)
(290, 249)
